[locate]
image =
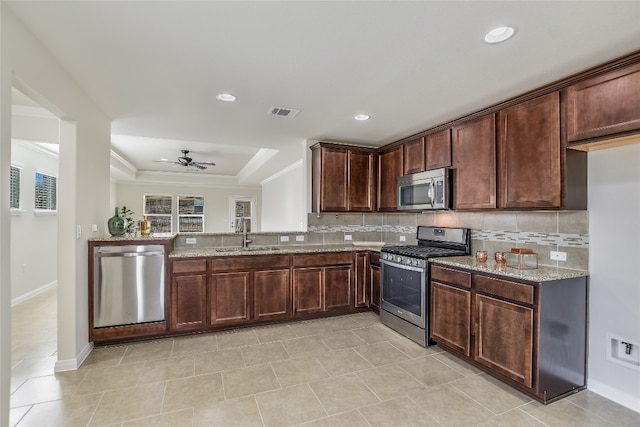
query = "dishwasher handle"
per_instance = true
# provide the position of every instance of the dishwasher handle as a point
(128, 254)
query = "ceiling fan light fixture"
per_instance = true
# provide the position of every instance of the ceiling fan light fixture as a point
(226, 97)
(500, 34)
(361, 117)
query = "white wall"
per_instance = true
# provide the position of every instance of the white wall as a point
(34, 237)
(614, 267)
(216, 200)
(83, 191)
(282, 194)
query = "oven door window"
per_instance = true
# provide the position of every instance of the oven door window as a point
(403, 287)
(417, 194)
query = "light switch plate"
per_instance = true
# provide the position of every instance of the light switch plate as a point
(348, 237)
(558, 256)
(284, 238)
(299, 238)
(403, 238)
(190, 240)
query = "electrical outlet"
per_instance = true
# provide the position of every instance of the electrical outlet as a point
(348, 237)
(94, 228)
(299, 238)
(190, 240)
(284, 238)
(558, 256)
(403, 238)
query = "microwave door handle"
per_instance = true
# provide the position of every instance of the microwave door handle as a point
(432, 192)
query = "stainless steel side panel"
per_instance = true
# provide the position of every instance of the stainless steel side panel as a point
(128, 284)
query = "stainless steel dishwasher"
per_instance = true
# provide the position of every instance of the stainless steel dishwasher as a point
(128, 284)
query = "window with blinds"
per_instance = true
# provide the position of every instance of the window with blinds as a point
(159, 210)
(191, 214)
(15, 187)
(46, 192)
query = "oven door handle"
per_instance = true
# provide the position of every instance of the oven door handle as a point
(402, 266)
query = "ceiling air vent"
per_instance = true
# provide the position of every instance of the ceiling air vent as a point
(283, 112)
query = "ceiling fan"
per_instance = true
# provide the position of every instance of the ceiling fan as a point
(187, 161)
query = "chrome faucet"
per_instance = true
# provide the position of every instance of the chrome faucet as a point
(245, 241)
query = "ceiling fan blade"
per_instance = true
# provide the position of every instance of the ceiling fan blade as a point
(206, 163)
(198, 165)
(162, 161)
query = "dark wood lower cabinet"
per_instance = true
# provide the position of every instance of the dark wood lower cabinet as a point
(338, 287)
(188, 302)
(374, 281)
(507, 349)
(362, 288)
(229, 298)
(272, 294)
(530, 335)
(307, 290)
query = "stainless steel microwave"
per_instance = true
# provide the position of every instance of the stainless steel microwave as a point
(422, 191)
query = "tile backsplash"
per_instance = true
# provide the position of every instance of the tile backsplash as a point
(542, 231)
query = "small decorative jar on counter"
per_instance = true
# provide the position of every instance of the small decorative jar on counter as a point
(145, 227)
(522, 259)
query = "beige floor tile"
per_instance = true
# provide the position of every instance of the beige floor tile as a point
(148, 351)
(110, 378)
(192, 345)
(414, 350)
(343, 361)
(167, 369)
(104, 356)
(129, 404)
(381, 354)
(218, 361)
(366, 319)
(172, 419)
(194, 391)
(16, 383)
(491, 393)
(246, 381)
(345, 419)
(388, 381)
(236, 339)
(450, 407)
(289, 406)
(69, 412)
(340, 323)
(341, 340)
(305, 346)
(343, 393)
(429, 371)
(37, 367)
(610, 411)
(400, 411)
(34, 349)
(241, 412)
(275, 333)
(264, 353)
(376, 333)
(565, 413)
(513, 418)
(296, 371)
(44, 389)
(457, 364)
(310, 328)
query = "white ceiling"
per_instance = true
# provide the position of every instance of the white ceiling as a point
(155, 68)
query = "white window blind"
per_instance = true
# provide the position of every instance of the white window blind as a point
(15, 187)
(46, 192)
(159, 211)
(191, 214)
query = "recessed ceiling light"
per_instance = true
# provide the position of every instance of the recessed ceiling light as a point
(498, 35)
(227, 97)
(362, 117)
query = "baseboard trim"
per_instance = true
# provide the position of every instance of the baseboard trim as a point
(73, 364)
(614, 395)
(33, 293)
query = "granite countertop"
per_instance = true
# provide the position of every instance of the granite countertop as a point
(269, 250)
(126, 238)
(540, 274)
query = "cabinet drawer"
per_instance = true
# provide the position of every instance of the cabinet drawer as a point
(323, 259)
(453, 277)
(506, 289)
(251, 262)
(189, 266)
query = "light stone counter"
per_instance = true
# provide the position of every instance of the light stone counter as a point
(131, 239)
(540, 274)
(268, 250)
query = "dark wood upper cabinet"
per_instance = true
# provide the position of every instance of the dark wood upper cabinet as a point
(529, 154)
(604, 105)
(473, 149)
(438, 149)
(343, 178)
(390, 167)
(414, 156)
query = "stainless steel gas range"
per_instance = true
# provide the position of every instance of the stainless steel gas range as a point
(405, 278)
